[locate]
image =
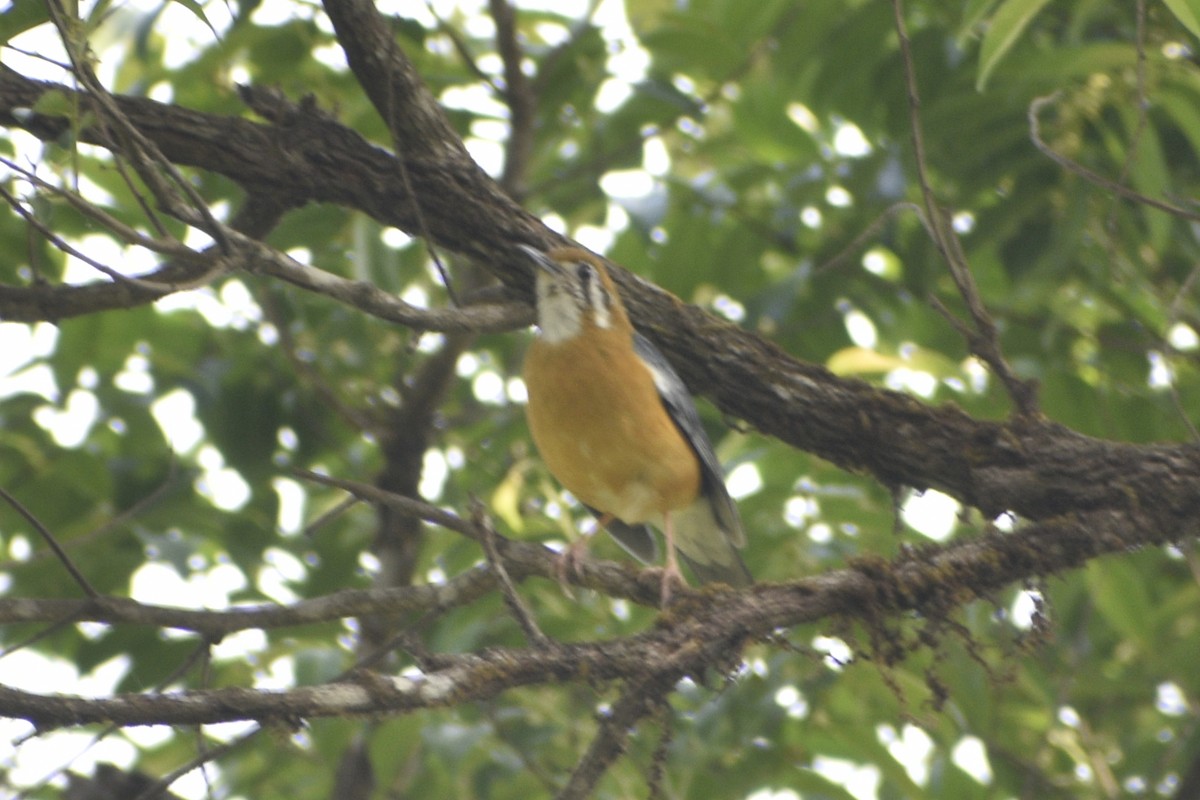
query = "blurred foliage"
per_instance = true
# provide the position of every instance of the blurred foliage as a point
(768, 137)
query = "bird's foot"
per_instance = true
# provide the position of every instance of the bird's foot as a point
(671, 573)
(570, 561)
(671, 576)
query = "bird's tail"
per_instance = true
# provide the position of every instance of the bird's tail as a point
(709, 550)
(732, 572)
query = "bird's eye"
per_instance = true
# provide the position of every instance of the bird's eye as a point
(591, 289)
(584, 273)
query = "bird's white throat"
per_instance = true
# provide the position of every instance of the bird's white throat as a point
(560, 311)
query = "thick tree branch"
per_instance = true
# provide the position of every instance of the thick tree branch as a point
(307, 157)
(1076, 497)
(1027, 466)
(697, 635)
(420, 129)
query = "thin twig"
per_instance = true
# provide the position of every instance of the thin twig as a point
(62, 245)
(109, 525)
(202, 650)
(546, 67)
(1173, 313)
(416, 508)
(505, 730)
(204, 655)
(50, 540)
(406, 640)
(519, 95)
(145, 155)
(161, 785)
(168, 245)
(114, 727)
(63, 65)
(867, 234)
(308, 373)
(656, 774)
(66, 620)
(1035, 135)
(461, 47)
(524, 617)
(390, 107)
(1143, 104)
(984, 340)
(328, 516)
(640, 699)
(490, 318)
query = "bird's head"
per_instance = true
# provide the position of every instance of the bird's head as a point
(574, 291)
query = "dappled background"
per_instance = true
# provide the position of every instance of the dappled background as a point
(755, 159)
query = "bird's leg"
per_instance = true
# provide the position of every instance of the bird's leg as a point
(671, 571)
(572, 558)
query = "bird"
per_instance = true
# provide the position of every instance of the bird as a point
(617, 427)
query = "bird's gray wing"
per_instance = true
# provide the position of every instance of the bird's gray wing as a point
(679, 404)
(638, 540)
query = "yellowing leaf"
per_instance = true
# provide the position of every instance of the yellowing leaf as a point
(860, 360)
(506, 499)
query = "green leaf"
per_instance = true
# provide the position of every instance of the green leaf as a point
(97, 14)
(1004, 29)
(317, 665)
(973, 15)
(1119, 592)
(1182, 103)
(1187, 12)
(1151, 175)
(20, 17)
(738, 215)
(763, 127)
(647, 15)
(815, 785)
(56, 103)
(197, 9)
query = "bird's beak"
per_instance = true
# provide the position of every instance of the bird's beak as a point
(541, 260)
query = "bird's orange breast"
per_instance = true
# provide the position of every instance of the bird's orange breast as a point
(602, 430)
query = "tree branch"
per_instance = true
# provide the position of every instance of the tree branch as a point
(518, 95)
(984, 340)
(1027, 466)
(640, 699)
(419, 126)
(698, 634)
